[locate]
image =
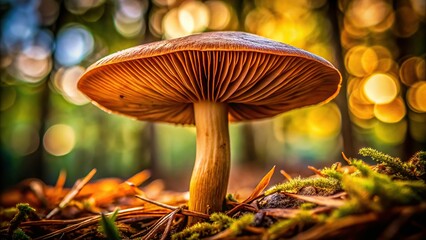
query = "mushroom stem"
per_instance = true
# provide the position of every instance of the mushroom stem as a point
(210, 175)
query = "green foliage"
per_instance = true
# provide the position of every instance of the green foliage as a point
(221, 220)
(24, 212)
(238, 225)
(351, 206)
(196, 231)
(108, 227)
(381, 188)
(372, 190)
(390, 183)
(332, 172)
(218, 222)
(231, 197)
(412, 169)
(325, 185)
(303, 218)
(18, 234)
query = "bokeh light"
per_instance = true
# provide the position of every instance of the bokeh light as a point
(18, 27)
(359, 106)
(416, 97)
(129, 17)
(65, 81)
(193, 16)
(390, 133)
(365, 14)
(73, 44)
(24, 139)
(190, 17)
(311, 132)
(47, 44)
(380, 41)
(324, 121)
(8, 98)
(49, 12)
(33, 64)
(412, 70)
(220, 15)
(390, 112)
(171, 25)
(380, 88)
(80, 7)
(361, 61)
(59, 139)
(172, 19)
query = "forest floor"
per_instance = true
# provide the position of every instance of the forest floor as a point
(347, 200)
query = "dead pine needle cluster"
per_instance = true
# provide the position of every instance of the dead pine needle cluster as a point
(347, 200)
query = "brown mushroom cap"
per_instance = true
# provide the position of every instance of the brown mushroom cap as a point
(257, 77)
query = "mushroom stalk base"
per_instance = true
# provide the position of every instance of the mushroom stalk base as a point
(210, 175)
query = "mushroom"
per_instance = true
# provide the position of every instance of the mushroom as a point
(209, 79)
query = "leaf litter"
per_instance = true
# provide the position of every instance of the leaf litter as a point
(383, 201)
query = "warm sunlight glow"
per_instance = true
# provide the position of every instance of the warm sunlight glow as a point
(380, 88)
(324, 121)
(416, 97)
(171, 26)
(412, 70)
(368, 13)
(66, 82)
(34, 63)
(390, 112)
(359, 107)
(390, 133)
(193, 16)
(220, 15)
(361, 60)
(59, 139)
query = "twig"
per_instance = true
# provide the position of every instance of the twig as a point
(169, 224)
(346, 158)
(316, 171)
(286, 175)
(79, 184)
(159, 223)
(156, 203)
(184, 211)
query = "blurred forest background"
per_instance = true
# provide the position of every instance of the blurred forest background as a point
(47, 125)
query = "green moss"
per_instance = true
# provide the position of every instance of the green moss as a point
(238, 225)
(196, 231)
(221, 220)
(405, 170)
(332, 172)
(377, 188)
(24, 212)
(218, 222)
(18, 234)
(351, 206)
(302, 219)
(324, 185)
(231, 197)
(381, 188)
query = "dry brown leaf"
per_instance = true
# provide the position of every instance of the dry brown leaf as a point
(261, 186)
